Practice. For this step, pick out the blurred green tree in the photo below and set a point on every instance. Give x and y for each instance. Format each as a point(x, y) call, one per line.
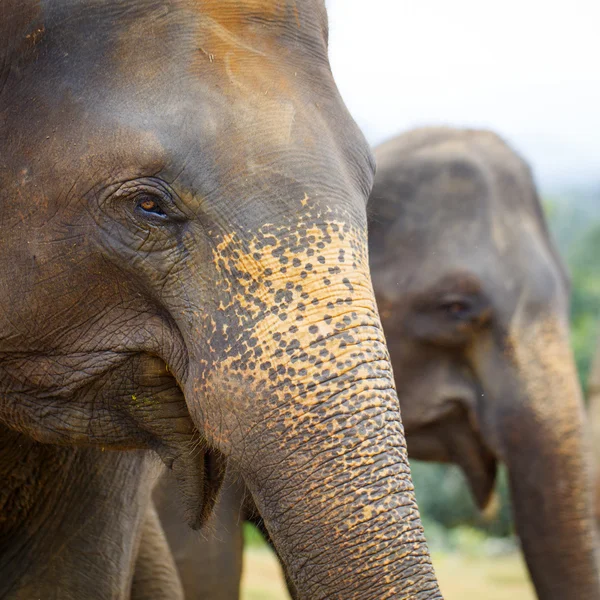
point(584, 265)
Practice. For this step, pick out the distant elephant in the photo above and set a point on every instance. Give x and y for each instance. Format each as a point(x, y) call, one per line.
point(473, 298)
point(184, 270)
point(474, 303)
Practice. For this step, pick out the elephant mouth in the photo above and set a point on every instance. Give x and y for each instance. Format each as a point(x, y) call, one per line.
point(454, 440)
point(213, 465)
point(199, 475)
point(197, 467)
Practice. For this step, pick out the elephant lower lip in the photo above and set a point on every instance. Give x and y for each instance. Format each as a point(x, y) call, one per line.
point(478, 463)
point(453, 440)
point(215, 466)
point(480, 468)
point(199, 475)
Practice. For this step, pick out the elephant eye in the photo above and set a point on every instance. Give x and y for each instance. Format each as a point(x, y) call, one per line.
point(149, 206)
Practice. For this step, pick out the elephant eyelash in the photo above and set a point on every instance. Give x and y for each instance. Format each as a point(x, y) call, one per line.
point(148, 200)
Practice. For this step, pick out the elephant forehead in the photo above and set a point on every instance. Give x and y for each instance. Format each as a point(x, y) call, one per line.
point(236, 16)
point(239, 42)
point(279, 17)
point(236, 74)
point(246, 44)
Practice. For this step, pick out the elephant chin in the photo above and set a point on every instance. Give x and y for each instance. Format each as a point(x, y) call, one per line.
point(453, 440)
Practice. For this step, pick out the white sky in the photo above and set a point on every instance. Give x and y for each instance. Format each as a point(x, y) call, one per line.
point(528, 69)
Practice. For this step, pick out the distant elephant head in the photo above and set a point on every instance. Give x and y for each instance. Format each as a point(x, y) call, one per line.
point(185, 269)
point(474, 304)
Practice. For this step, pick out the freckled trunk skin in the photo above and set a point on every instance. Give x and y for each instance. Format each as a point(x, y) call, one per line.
point(302, 399)
point(352, 501)
point(545, 445)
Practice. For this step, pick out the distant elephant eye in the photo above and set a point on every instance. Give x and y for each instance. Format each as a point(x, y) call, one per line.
point(456, 309)
point(149, 205)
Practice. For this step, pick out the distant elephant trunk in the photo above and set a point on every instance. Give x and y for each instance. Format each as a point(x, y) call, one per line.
point(538, 427)
point(301, 399)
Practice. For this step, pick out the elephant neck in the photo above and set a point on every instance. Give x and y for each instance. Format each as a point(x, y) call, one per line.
point(68, 519)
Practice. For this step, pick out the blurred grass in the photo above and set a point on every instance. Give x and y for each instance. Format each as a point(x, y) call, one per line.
point(463, 575)
point(262, 578)
point(473, 578)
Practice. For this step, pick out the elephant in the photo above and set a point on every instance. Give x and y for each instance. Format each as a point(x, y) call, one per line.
point(473, 299)
point(184, 242)
point(155, 573)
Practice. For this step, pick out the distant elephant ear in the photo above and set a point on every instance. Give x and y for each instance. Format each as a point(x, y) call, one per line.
point(199, 476)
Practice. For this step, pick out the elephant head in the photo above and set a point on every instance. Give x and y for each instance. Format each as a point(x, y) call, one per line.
point(185, 270)
point(474, 302)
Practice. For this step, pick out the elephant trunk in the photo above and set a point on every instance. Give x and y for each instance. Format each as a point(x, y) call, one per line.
point(302, 401)
point(327, 469)
point(335, 490)
point(540, 434)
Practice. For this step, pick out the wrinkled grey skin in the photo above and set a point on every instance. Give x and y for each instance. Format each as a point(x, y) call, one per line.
point(185, 272)
point(210, 561)
point(55, 520)
point(156, 575)
point(474, 304)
